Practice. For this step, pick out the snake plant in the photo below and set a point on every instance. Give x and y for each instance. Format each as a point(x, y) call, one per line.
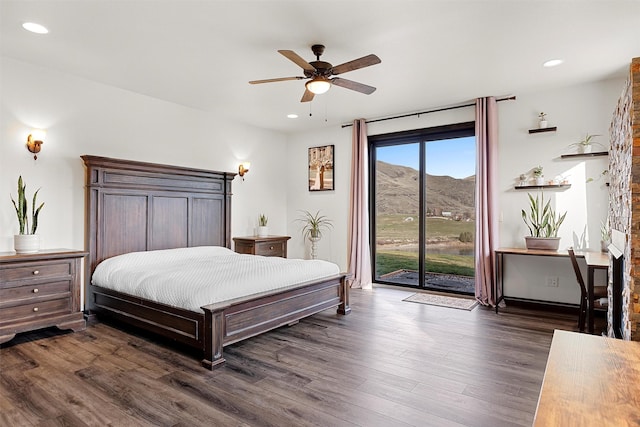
point(22, 209)
point(542, 220)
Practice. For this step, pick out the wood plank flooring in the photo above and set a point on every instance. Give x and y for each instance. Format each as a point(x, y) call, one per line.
point(388, 363)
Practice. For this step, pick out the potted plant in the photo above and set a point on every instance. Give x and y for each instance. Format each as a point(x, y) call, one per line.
point(585, 145)
point(263, 230)
point(543, 223)
point(313, 224)
point(605, 235)
point(542, 120)
point(538, 175)
point(27, 241)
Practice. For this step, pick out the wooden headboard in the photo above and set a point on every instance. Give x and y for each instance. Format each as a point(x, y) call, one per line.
point(135, 206)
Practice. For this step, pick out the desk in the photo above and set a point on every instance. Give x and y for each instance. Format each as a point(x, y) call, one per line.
point(590, 381)
point(595, 261)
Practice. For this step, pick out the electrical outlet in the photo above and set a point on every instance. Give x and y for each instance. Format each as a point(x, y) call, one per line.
point(552, 281)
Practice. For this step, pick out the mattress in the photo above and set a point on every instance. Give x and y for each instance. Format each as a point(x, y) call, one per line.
point(190, 278)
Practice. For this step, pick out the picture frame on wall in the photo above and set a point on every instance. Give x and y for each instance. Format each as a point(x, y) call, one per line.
point(321, 168)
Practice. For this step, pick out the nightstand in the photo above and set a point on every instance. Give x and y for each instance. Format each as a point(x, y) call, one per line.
point(267, 246)
point(40, 290)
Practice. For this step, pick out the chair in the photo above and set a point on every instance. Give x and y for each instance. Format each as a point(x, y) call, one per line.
point(598, 292)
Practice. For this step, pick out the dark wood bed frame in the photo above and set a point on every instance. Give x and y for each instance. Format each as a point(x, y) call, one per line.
point(135, 206)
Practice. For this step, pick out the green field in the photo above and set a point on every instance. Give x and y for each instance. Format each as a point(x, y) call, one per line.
point(396, 245)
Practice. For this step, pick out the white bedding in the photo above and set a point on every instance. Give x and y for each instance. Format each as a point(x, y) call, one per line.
point(190, 278)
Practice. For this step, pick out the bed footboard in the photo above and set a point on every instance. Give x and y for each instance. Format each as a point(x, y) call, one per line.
point(231, 322)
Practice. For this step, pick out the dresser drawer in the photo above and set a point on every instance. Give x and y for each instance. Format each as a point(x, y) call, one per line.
point(270, 248)
point(30, 271)
point(35, 309)
point(8, 295)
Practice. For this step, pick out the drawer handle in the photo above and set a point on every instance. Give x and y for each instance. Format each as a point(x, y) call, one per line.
point(35, 308)
point(36, 272)
point(35, 291)
point(270, 248)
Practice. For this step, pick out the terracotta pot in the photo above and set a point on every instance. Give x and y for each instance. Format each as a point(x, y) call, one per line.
point(543, 243)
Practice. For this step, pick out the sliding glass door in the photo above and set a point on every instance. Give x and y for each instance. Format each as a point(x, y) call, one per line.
point(423, 208)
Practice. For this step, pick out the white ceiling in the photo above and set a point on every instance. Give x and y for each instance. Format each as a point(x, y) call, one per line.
point(201, 54)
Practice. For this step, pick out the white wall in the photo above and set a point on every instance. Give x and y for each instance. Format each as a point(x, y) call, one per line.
point(575, 110)
point(84, 117)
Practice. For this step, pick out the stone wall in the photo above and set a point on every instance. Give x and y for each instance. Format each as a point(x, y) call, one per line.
point(624, 197)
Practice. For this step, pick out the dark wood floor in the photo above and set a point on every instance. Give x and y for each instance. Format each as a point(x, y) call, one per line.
point(389, 363)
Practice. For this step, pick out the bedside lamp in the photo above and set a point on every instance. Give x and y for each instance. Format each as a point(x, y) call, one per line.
point(35, 141)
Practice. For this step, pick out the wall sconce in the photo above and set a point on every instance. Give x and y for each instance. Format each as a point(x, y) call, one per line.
point(243, 168)
point(34, 141)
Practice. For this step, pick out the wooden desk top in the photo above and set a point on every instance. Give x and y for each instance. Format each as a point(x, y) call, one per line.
point(590, 381)
point(594, 259)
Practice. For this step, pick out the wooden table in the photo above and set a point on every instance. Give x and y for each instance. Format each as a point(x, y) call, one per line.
point(595, 261)
point(590, 381)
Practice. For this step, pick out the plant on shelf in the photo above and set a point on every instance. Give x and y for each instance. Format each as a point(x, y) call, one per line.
point(263, 230)
point(27, 241)
point(542, 120)
point(584, 145)
point(313, 224)
point(538, 175)
point(543, 224)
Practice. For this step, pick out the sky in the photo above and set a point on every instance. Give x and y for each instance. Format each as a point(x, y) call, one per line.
point(452, 157)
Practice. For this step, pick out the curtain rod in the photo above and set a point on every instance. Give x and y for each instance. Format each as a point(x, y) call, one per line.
point(454, 107)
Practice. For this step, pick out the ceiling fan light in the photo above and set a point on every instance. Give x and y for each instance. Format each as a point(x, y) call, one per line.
point(318, 85)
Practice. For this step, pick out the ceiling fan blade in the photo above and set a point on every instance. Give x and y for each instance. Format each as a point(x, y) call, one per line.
point(280, 79)
point(350, 84)
point(292, 56)
point(365, 61)
point(307, 95)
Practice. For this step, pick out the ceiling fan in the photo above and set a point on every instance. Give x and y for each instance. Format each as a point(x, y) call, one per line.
point(319, 73)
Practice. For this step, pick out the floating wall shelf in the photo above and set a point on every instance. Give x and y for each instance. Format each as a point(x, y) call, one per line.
point(549, 129)
point(594, 154)
point(541, 187)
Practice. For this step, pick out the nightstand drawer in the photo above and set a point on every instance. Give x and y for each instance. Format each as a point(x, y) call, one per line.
point(34, 271)
point(265, 246)
point(8, 295)
point(35, 309)
point(270, 248)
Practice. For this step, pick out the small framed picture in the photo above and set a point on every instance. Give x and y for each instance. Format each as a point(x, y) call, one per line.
point(321, 168)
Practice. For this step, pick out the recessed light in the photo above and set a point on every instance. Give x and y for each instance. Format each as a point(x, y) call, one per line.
point(292, 116)
point(35, 28)
point(552, 63)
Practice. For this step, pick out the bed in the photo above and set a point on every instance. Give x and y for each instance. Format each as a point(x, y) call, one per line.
point(136, 207)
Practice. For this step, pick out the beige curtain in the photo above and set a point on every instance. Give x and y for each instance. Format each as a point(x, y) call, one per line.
point(359, 252)
point(486, 199)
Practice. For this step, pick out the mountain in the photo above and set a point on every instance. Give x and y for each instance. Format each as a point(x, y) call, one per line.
point(397, 192)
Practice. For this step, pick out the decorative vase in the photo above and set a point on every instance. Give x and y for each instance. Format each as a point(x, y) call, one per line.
point(263, 231)
point(26, 243)
point(543, 243)
point(314, 246)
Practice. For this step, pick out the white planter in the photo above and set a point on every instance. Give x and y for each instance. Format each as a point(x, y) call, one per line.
point(262, 231)
point(584, 149)
point(543, 243)
point(540, 180)
point(26, 243)
point(542, 124)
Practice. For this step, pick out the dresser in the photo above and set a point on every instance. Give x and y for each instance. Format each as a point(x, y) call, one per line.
point(40, 290)
point(266, 246)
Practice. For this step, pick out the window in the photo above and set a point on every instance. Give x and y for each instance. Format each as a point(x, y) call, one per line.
point(422, 211)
